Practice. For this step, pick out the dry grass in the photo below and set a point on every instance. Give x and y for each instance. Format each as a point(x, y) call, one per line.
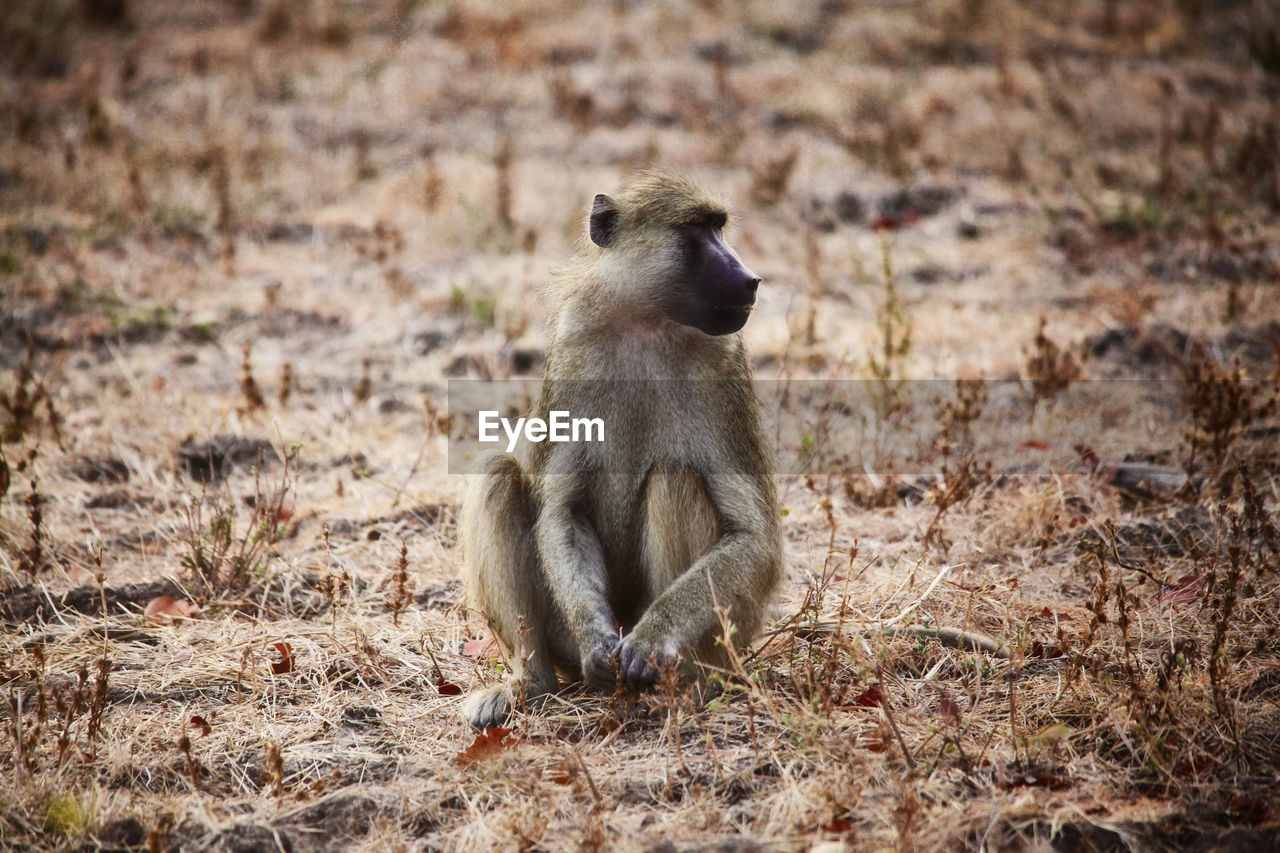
point(242, 245)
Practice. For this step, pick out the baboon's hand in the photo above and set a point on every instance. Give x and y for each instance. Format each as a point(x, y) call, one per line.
point(641, 662)
point(600, 665)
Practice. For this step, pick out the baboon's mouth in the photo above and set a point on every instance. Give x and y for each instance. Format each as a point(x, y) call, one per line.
point(726, 319)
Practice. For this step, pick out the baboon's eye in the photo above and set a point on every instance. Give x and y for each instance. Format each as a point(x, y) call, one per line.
point(705, 220)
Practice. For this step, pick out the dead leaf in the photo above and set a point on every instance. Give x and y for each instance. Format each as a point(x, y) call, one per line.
point(202, 724)
point(445, 688)
point(165, 610)
point(950, 713)
point(1199, 767)
point(1249, 811)
point(560, 773)
point(487, 744)
point(892, 223)
point(286, 662)
point(1057, 617)
point(878, 740)
point(480, 648)
point(838, 826)
point(1186, 590)
point(870, 698)
point(1049, 734)
point(280, 511)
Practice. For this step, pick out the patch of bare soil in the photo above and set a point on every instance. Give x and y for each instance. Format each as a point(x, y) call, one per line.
point(30, 603)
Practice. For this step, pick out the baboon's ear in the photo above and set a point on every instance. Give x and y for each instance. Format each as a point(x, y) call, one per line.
point(604, 221)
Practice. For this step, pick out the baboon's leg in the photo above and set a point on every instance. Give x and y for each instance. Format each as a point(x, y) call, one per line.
point(503, 582)
point(680, 527)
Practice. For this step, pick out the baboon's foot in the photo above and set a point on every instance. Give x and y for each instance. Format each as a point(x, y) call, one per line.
point(488, 708)
point(492, 707)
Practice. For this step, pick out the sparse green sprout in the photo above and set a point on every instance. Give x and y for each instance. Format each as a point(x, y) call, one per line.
point(457, 301)
point(895, 328)
point(484, 310)
point(67, 816)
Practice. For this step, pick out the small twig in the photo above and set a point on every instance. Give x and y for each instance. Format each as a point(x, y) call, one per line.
point(893, 724)
point(413, 470)
point(1013, 723)
point(582, 766)
point(952, 638)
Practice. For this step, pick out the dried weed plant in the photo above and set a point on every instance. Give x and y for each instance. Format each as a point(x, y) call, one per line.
point(1223, 402)
point(226, 563)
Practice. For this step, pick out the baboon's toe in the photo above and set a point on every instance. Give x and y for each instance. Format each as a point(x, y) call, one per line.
point(487, 709)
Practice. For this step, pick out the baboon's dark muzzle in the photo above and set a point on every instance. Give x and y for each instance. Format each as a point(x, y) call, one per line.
point(728, 289)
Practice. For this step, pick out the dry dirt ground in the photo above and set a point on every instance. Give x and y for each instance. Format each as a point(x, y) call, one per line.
point(244, 245)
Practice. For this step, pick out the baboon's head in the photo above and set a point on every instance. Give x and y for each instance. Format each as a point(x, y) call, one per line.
point(664, 235)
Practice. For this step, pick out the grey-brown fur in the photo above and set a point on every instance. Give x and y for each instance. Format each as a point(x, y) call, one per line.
point(670, 521)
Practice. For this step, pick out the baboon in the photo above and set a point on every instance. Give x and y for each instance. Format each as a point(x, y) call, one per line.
point(610, 561)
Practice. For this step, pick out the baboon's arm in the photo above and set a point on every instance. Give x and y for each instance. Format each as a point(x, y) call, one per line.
point(743, 563)
point(573, 561)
